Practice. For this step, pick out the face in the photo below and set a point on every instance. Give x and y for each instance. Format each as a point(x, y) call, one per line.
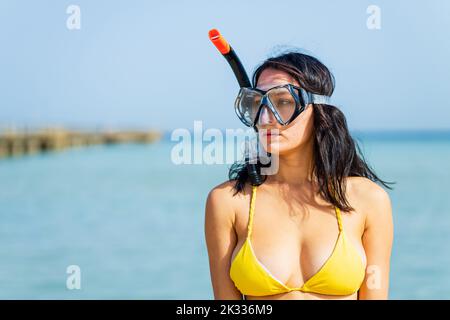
point(275, 138)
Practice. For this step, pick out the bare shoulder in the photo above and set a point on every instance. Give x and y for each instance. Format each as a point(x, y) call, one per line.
point(366, 189)
point(222, 194)
point(221, 239)
point(370, 196)
point(221, 202)
point(224, 189)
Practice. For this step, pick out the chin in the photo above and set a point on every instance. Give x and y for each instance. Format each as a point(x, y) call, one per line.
point(274, 148)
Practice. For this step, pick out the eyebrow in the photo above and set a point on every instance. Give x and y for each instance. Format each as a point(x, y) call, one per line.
point(280, 85)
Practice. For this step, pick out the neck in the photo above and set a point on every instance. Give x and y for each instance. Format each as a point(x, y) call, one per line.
point(294, 167)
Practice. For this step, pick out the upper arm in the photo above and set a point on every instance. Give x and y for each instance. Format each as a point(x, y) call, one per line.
point(377, 241)
point(220, 241)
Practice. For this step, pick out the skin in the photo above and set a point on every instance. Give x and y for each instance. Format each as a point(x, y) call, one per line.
point(294, 230)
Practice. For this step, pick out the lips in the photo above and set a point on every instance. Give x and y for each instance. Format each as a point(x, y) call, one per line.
point(270, 134)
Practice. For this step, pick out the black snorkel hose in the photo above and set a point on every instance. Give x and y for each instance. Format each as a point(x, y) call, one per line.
point(253, 169)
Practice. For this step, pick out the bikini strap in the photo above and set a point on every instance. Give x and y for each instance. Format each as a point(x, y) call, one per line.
point(338, 216)
point(252, 210)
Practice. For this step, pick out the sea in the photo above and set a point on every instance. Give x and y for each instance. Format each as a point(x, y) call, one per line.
point(126, 221)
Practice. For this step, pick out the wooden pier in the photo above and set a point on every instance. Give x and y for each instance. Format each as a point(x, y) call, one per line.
point(16, 143)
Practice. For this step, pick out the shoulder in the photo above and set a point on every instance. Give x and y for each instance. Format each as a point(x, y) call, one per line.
point(222, 193)
point(221, 203)
point(371, 197)
point(366, 189)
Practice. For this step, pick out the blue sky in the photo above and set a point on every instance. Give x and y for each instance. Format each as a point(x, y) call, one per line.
point(150, 63)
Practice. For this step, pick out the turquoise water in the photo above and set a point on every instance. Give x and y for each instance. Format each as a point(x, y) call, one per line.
point(133, 221)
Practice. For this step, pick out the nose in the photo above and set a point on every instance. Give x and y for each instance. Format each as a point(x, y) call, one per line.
point(266, 116)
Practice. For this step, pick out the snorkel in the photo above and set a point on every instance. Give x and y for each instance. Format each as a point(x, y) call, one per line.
point(241, 75)
point(230, 55)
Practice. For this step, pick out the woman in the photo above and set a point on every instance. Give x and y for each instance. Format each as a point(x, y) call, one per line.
point(320, 227)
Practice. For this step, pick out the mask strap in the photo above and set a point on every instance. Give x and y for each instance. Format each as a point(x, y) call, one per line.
point(319, 99)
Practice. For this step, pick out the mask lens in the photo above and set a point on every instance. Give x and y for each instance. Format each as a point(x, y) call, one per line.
point(247, 105)
point(283, 102)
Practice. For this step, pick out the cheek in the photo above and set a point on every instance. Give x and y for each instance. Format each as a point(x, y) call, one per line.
point(296, 134)
point(299, 132)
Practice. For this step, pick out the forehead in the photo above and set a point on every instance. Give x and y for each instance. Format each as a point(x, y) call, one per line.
point(270, 78)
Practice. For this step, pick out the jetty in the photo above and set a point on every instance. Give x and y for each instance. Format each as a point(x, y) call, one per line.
point(18, 143)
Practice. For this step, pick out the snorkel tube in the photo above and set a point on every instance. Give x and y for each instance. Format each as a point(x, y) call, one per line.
point(230, 55)
point(241, 75)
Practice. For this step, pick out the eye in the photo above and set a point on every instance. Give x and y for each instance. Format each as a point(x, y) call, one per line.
point(284, 102)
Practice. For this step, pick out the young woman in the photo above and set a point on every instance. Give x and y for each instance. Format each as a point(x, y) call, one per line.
point(320, 227)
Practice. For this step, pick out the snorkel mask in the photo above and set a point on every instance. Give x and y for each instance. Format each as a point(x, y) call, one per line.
point(285, 102)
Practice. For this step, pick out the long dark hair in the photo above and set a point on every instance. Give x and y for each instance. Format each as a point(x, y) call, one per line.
point(336, 154)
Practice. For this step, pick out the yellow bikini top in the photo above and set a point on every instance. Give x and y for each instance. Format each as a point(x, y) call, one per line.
point(342, 273)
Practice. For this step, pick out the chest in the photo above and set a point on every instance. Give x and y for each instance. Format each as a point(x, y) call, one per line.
point(293, 239)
